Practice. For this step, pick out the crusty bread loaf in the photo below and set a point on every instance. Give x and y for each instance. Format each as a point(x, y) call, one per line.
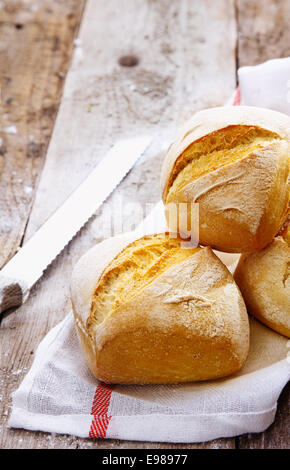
point(264, 280)
point(152, 311)
point(234, 162)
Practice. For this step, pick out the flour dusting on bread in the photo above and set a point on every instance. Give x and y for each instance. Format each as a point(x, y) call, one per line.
point(175, 320)
point(235, 164)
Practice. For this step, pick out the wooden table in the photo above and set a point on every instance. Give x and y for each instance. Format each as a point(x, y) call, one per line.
point(187, 54)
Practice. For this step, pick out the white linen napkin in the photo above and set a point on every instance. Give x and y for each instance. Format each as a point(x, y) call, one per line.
point(60, 395)
point(266, 85)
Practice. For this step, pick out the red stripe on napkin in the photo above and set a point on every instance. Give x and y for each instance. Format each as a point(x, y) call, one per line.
point(237, 98)
point(100, 421)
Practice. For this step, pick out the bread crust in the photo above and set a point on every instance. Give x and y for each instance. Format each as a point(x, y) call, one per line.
point(190, 323)
point(242, 204)
point(264, 280)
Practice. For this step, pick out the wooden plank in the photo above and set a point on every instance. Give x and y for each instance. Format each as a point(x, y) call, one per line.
point(263, 30)
point(36, 42)
point(176, 44)
point(263, 33)
point(35, 50)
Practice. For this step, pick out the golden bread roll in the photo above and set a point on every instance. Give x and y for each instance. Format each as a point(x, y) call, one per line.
point(264, 280)
point(149, 310)
point(234, 162)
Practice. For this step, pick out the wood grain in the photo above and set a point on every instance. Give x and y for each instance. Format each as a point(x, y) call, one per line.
point(35, 50)
point(184, 64)
point(263, 30)
point(36, 43)
point(176, 46)
point(263, 34)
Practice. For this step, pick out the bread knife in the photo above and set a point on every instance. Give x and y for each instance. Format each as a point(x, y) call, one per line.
point(27, 266)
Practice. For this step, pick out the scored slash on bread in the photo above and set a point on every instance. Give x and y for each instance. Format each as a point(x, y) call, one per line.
point(152, 311)
point(234, 162)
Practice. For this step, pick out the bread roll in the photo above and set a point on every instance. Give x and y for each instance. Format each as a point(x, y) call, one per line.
point(152, 311)
point(234, 162)
point(264, 280)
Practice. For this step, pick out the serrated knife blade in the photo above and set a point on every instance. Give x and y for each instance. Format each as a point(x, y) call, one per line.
point(27, 266)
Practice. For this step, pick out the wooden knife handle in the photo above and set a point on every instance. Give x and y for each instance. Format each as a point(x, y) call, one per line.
point(13, 293)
